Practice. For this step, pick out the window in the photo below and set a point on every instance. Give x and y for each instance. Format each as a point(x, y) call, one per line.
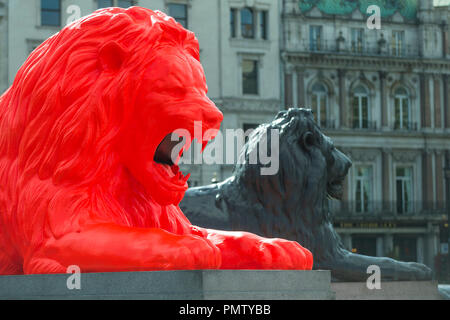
point(405, 248)
point(263, 24)
point(179, 13)
point(125, 3)
point(315, 38)
point(403, 182)
point(250, 76)
point(365, 244)
point(363, 190)
point(50, 12)
point(247, 23)
point(360, 108)
point(357, 40)
point(115, 3)
point(32, 44)
point(402, 110)
point(233, 23)
point(105, 3)
point(398, 40)
point(319, 103)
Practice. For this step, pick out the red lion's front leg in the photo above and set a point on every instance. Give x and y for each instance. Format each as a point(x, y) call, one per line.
point(244, 250)
point(109, 247)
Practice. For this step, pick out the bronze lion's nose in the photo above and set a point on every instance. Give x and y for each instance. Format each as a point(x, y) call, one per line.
point(342, 160)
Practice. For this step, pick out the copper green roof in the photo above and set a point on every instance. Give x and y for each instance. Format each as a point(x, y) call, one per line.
point(407, 8)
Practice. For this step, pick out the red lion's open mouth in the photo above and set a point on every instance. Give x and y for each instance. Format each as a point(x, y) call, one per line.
point(168, 155)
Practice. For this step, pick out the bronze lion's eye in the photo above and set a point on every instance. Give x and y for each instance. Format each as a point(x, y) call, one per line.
point(307, 140)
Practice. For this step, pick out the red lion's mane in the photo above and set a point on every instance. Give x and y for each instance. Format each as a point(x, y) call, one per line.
point(79, 129)
point(58, 125)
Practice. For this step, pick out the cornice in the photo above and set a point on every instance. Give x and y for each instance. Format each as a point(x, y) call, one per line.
point(248, 104)
point(349, 62)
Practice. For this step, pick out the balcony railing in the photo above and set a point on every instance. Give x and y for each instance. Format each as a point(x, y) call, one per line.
point(386, 208)
point(364, 124)
point(405, 126)
point(328, 124)
point(372, 49)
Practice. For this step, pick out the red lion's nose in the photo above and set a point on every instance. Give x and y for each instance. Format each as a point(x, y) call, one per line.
point(211, 115)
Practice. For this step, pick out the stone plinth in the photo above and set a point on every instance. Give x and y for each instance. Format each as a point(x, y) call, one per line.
point(185, 285)
point(390, 290)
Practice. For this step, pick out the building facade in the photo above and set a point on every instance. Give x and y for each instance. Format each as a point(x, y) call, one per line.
point(383, 96)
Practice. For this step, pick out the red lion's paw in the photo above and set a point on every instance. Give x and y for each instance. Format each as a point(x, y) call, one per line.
point(283, 254)
point(244, 250)
point(198, 253)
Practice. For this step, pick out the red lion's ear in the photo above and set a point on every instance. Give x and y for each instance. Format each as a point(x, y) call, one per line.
point(111, 56)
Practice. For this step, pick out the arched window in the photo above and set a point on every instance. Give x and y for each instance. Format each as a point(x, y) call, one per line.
point(361, 114)
point(319, 103)
point(363, 188)
point(404, 186)
point(402, 110)
point(247, 23)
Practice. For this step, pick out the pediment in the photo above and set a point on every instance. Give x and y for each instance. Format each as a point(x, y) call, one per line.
point(357, 15)
point(315, 12)
point(397, 17)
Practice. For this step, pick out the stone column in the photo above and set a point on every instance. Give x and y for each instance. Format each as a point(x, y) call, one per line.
point(238, 23)
point(347, 241)
point(446, 106)
point(425, 108)
point(256, 24)
point(345, 197)
point(420, 250)
point(288, 94)
point(301, 88)
point(380, 246)
point(431, 245)
point(427, 180)
point(440, 198)
point(444, 27)
point(385, 180)
point(342, 99)
point(345, 203)
point(388, 244)
point(437, 104)
point(383, 104)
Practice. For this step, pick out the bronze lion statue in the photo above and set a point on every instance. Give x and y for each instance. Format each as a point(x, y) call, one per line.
point(292, 203)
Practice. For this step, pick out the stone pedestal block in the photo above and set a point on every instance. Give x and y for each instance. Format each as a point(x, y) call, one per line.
point(184, 285)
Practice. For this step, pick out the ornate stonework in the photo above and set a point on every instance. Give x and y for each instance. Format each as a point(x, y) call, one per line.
point(362, 155)
point(398, 11)
point(405, 156)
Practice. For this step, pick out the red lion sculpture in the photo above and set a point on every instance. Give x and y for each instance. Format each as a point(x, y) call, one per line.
point(79, 132)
